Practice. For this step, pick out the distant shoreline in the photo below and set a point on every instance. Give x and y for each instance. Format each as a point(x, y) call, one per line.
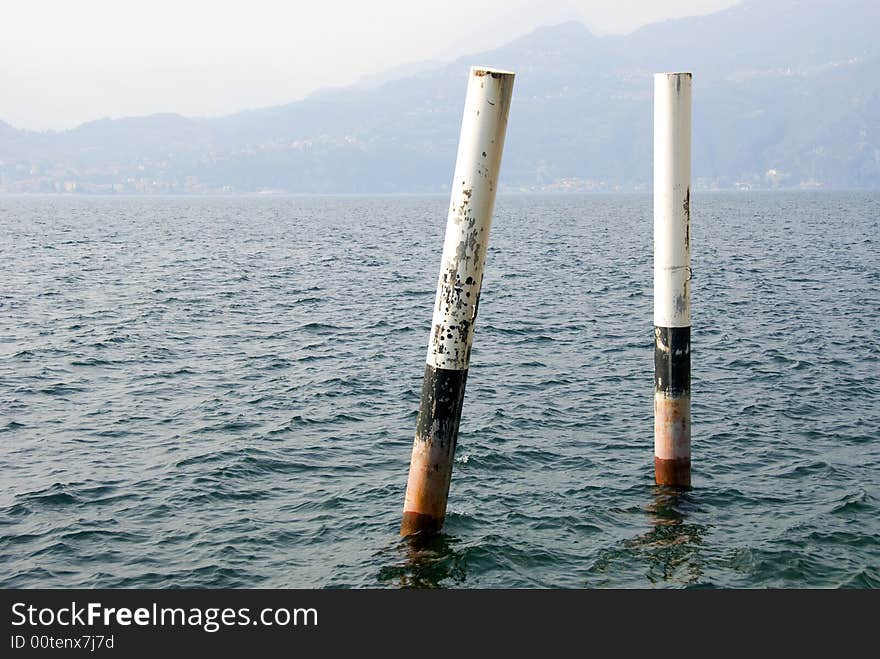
point(503, 193)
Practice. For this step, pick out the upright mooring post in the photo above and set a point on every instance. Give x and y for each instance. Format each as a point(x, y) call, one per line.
point(672, 274)
point(458, 297)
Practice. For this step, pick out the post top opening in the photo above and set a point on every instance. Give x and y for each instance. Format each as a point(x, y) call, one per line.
point(674, 73)
point(489, 71)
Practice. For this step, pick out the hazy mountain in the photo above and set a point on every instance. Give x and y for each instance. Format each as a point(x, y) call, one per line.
point(786, 94)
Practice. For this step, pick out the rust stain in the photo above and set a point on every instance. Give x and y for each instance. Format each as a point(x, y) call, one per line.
point(480, 73)
point(672, 426)
point(672, 473)
point(419, 523)
point(671, 416)
point(427, 488)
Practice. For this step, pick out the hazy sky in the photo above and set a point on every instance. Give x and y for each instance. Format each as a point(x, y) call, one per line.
point(63, 62)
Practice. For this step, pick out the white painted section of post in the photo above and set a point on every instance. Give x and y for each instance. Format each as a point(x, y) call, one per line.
point(672, 180)
point(474, 184)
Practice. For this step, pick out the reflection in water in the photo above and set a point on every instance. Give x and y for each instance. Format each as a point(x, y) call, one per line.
point(672, 551)
point(426, 561)
point(672, 547)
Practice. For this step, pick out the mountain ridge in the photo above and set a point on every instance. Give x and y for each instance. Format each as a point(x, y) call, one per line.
point(785, 95)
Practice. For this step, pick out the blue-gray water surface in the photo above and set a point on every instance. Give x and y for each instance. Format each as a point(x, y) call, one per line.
point(222, 392)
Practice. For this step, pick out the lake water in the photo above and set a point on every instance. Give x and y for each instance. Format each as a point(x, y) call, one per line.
point(223, 392)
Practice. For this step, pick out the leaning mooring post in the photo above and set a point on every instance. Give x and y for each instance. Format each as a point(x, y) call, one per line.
point(672, 274)
point(458, 297)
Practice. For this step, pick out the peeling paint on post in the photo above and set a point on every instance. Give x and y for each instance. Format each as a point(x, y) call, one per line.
point(458, 297)
point(672, 275)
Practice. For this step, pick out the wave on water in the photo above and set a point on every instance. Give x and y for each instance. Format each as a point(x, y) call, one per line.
point(230, 400)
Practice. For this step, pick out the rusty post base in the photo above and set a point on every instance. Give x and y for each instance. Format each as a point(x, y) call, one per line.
point(673, 473)
point(430, 469)
point(672, 440)
point(419, 523)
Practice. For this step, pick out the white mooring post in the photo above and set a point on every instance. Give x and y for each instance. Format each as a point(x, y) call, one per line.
point(672, 274)
point(458, 297)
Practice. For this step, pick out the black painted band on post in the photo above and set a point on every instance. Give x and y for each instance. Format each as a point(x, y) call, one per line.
point(440, 407)
point(672, 361)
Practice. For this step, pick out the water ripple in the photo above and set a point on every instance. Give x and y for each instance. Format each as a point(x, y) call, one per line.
point(223, 392)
